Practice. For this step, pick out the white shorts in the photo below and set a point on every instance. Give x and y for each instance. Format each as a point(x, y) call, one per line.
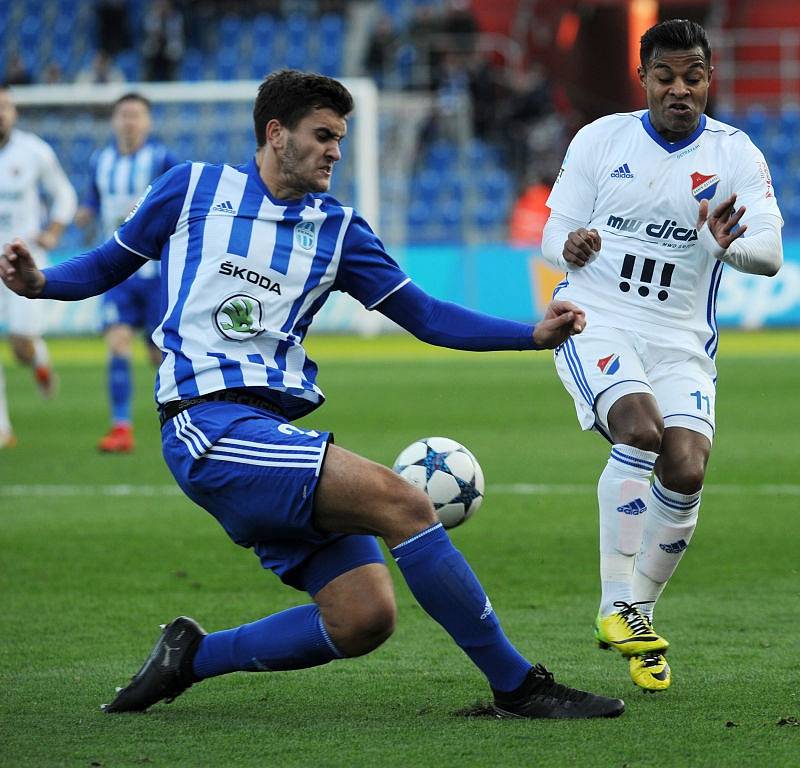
point(20, 316)
point(602, 364)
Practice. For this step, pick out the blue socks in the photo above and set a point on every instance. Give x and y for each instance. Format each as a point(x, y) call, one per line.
point(119, 389)
point(445, 586)
point(292, 639)
point(441, 581)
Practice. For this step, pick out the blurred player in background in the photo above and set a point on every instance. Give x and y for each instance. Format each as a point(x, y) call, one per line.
point(28, 167)
point(250, 254)
point(120, 173)
point(648, 208)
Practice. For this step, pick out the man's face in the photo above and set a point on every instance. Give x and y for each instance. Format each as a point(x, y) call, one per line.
point(677, 91)
point(8, 114)
point(131, 123)
point(310, 151)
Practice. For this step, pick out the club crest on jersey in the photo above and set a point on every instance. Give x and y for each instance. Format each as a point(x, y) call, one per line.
point(238, 317)
point(608, 365)
point(704, 187)
point(305, 234)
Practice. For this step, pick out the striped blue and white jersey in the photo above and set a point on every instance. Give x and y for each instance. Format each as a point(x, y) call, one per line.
point(642, 195)
point(243, 275)
point(118, 180)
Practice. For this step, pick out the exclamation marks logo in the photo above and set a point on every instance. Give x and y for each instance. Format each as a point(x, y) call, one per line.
point(648, 269)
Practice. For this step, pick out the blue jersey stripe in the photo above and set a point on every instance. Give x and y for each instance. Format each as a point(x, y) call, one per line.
point(711, 309)
point(242, 229)
point(284, 236)
point(203, 193)
point(231, 370)
point(326, 249)
point(112, 169)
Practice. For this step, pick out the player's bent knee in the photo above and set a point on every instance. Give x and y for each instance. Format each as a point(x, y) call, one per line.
point(366, 627)
point(645, 437)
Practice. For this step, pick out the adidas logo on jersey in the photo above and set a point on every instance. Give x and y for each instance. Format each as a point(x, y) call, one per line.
point(225, 207)
point(636, 507)
point(623, 172)
point(675, 548)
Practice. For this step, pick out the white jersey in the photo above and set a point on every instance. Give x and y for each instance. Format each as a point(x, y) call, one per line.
point(642, 193)
point(28, 165)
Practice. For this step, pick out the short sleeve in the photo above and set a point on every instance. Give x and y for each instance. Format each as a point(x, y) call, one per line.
point(575, 189)
point(153, 219)
point(366, 271)
point(753, 183)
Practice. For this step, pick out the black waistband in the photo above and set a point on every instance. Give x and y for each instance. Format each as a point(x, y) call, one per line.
point(241, 396)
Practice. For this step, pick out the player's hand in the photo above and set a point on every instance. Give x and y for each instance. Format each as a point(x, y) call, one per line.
point(722, 221)
point(561, 320)
point(18, 270)
point(581, 247)
point(46, 240)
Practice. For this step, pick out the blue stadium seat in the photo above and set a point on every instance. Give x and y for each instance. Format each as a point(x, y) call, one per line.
point(789, 121)
point(192, 66)
point(331, 28)
point(230, 29)
point(755, 124)
point(226, 64)
point(130, 63)
point(441, 155)
point(427, 185)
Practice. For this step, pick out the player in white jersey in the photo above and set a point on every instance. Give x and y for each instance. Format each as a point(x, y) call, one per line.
point(28, 165)
point(120, 173)
point(249, 254)
point(648, 208)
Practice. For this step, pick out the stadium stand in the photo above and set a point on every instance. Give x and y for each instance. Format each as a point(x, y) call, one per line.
point(442, 202)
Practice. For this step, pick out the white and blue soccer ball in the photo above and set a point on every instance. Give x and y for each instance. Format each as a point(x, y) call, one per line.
point(448, 473)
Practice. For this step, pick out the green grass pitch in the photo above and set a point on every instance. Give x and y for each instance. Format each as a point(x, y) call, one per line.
point(96, 550)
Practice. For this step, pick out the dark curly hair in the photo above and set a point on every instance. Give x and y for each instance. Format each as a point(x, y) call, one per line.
point(289, 95)
point(673, 35)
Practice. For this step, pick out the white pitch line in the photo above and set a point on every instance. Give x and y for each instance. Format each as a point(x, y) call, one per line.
point(513, 489)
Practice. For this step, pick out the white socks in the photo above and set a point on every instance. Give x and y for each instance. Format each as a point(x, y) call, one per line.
point(622, 494)
point(670, 522)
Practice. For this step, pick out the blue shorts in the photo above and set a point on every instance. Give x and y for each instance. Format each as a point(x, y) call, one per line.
point(135, 302)
point(257, 474)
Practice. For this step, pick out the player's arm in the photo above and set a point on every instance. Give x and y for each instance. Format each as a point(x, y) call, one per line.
point(567, 244)
point(445, 324)
point(86, 275)
point(64, 200)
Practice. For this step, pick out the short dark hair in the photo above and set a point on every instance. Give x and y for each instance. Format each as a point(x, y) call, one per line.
point(132, 96)
point(288, 95)
point(673, 35)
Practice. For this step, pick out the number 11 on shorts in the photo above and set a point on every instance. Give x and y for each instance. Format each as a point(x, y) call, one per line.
point(699, 399)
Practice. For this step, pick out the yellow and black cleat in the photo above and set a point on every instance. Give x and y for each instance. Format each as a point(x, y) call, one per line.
point(650, 671)
point(629, 631)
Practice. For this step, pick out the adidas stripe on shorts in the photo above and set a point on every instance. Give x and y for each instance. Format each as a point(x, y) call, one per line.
point(256, 474)
point(603, 364)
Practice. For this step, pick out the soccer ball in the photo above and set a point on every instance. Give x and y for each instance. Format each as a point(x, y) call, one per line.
point(448, 473)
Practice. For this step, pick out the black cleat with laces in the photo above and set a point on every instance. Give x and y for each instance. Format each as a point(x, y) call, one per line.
point(540, 696)
point(167, 673)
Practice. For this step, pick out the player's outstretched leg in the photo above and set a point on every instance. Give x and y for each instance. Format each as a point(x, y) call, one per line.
point(446, 587)
point(168, 671)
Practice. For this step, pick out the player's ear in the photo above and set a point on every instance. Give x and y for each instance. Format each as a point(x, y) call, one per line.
point(275, 134)
point(642, 76)
point(710, 72)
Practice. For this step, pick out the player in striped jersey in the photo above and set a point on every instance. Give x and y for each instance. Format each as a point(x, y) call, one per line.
point(28, 167)
point(648, 208)
point(120, 173)
point(249, 255)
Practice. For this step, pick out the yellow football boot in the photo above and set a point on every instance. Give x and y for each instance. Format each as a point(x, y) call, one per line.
point(629, 631)
point(650, 671)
